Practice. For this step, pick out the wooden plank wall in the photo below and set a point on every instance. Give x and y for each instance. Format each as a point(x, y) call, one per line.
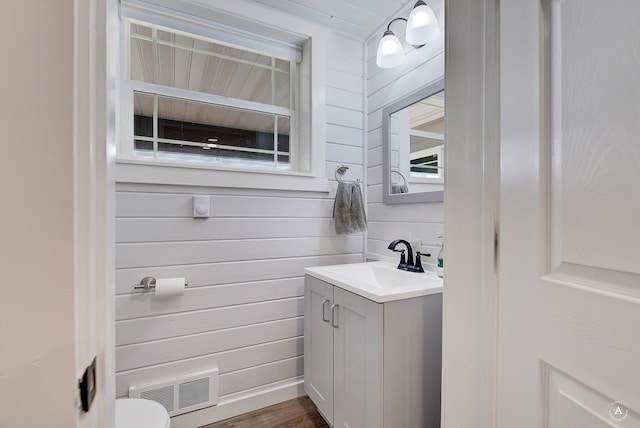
point(384, 86)
point(243, 309)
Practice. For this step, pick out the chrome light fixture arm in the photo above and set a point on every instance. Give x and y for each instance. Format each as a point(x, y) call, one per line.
point(392, 33)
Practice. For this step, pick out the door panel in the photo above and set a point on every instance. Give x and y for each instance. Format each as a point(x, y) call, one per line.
point(571, 404)
point(351, 356)
point(569, 265)
point(594, 109)
point(358, 362)
point(318, 338)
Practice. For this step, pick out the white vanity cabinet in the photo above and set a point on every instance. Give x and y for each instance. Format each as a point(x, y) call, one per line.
point(369, 364)
point(343, 355)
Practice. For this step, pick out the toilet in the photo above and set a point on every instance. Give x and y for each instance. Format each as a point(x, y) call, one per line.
point(140, 413)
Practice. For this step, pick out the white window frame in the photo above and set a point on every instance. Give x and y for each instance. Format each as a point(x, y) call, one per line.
point(132, 86)
point(309, 126)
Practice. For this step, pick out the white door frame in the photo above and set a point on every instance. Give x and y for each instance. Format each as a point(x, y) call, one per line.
point(95, 39)
point(471, 219)
point(470, 203)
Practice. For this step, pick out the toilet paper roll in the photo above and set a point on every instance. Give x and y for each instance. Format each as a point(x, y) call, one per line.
point(170, 286)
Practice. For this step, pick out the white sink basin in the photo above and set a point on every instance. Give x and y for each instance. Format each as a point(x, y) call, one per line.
point(378, 281)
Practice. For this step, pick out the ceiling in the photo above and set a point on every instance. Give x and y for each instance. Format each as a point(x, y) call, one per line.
point(356, 18)
point(427, 111)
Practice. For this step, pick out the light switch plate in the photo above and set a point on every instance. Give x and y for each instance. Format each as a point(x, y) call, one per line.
point(201, 206)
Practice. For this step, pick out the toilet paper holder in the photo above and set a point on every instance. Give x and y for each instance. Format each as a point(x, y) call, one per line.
point(149, 282)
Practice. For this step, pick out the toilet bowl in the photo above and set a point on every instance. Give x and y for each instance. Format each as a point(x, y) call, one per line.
point(140, 413)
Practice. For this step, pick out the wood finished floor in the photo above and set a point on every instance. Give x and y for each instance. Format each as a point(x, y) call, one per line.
point(296, 413)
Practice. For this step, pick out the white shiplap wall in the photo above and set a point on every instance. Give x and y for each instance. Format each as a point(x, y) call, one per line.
point(422, 221)
point(243, 309)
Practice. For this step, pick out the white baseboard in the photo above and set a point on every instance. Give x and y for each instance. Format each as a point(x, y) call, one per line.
point(244, 402)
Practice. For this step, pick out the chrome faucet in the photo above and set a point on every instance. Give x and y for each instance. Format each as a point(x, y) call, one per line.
point(407, 264)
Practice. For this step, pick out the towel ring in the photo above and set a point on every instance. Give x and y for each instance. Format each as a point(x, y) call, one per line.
point(340, 171)
point(404, 180)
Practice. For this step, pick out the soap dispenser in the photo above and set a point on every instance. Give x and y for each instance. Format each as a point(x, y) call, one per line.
point(440, 269)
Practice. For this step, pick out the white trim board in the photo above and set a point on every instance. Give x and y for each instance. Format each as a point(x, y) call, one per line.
point(192, 175)
point(471, 200)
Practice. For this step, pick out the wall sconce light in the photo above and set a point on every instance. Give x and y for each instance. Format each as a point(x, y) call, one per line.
point(422, 28)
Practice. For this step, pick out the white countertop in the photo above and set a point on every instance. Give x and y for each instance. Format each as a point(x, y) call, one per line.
point(378, 281)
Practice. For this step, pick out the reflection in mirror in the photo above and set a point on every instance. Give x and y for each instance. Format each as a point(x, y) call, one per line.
point(413, 147)
point(417, 135)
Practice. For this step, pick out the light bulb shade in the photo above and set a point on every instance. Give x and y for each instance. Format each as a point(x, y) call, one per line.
point(390, 51)
point(422, 25)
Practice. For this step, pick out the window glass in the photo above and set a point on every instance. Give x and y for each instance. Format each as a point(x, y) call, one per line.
point(250, 125)
point(172, 126)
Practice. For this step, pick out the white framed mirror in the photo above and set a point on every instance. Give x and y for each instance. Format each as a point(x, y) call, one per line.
point(413, 146)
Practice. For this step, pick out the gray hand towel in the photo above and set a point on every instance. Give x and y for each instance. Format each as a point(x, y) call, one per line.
point(348, 209)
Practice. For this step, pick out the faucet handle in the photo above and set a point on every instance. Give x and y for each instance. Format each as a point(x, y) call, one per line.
point(403, 260)
point(418, 266)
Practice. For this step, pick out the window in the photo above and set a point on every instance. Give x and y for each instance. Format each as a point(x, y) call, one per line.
point(192, 99)
point(427, 163)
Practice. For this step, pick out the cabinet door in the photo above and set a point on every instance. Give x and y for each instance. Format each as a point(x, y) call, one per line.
point(318, 345)
point(358, 361)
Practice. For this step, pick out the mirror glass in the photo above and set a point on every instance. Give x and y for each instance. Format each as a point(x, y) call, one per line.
point(413, 147)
